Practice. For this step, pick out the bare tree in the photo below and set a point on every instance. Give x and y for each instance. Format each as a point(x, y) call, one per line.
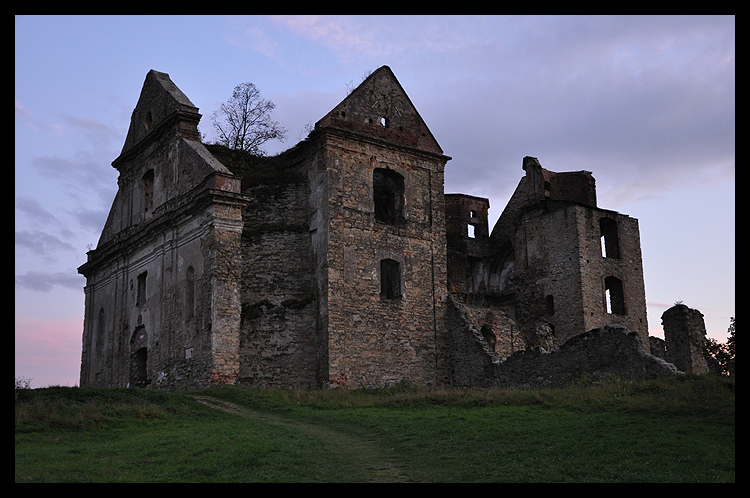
point(244, 121)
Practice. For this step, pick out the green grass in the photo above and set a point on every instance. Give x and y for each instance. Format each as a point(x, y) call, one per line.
point(660, 430)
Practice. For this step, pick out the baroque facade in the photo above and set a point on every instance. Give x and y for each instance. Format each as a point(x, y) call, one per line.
point(341, 261)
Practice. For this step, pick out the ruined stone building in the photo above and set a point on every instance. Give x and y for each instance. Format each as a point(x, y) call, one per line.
point(341, 261)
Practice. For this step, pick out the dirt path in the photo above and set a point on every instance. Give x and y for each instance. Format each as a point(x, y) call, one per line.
point(362, 452)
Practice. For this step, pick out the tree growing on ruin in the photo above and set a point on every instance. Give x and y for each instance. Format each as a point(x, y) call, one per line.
point(244, 121)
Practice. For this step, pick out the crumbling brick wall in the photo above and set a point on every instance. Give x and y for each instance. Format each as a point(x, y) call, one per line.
point(547, 257)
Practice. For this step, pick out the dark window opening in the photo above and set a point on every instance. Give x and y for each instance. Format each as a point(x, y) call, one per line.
point(388, 193)
point(390, 279)
point(549, 305)
point(141, 293)
point(614, 296)
point(148, 190)
point(610, 242)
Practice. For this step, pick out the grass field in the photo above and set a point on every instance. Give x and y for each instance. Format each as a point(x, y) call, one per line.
point(679, 429)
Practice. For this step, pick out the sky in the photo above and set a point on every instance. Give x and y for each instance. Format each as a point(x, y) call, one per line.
point(646, 103)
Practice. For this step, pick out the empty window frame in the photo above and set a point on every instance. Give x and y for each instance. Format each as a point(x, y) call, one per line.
point(614, 298)
point(141, 291)
point(609, 238)
point(388, 194)
point(390, 279)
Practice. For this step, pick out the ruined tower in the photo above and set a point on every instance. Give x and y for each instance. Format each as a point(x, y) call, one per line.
point(580, 264)
point(467, 232)
point(385, 237)
point(559, 264)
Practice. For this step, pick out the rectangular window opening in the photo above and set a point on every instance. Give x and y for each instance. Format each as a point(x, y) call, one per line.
point(141, 294)
point(609, 238)
point(614, 297)
point(390, 279)
point(388, 194)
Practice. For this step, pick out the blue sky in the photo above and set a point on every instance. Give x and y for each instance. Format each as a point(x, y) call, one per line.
point(645, 103)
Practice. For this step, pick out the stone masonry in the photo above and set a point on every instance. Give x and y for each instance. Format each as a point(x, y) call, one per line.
point(341, 262)
point(685, 338)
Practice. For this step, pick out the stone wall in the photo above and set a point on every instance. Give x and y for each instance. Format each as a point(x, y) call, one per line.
point(281, 337)
point(474, 360)
point(547, 258)
point(547, 270)
point(610, 350)
point(685, 338)
point(623, 266)
point(280, 333)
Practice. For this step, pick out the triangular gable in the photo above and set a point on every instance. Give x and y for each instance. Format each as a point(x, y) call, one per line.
point(163, 116)
point(160, 100)
point(380, 107)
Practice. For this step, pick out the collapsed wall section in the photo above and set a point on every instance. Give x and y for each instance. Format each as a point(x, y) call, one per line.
point(608, 351)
